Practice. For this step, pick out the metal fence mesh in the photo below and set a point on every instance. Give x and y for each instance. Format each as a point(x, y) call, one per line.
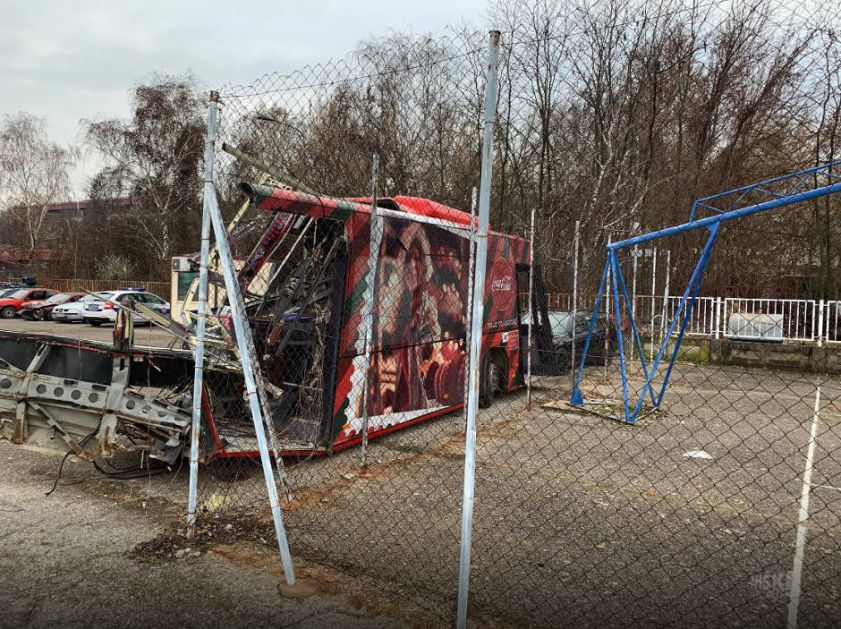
point(360, 318)
point(342, 302)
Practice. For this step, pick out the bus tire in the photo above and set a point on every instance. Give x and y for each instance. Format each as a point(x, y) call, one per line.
point(490, 380)
point(486, 388)
point(564, 361)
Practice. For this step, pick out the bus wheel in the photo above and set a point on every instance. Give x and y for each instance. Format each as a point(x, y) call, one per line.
point(490, 381)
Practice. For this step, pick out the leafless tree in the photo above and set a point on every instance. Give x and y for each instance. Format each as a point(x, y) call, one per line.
point(617, 114)
point(34, 173)
point(153, 158)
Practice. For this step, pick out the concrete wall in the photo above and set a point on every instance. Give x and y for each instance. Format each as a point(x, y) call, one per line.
point(804, 357)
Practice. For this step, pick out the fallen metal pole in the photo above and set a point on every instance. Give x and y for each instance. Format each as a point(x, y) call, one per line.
point(476, 326)
point(281, 178)
point(201, 323)
point(245, 345)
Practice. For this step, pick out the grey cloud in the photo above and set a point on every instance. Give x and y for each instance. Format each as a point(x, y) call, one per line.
point(72, 60)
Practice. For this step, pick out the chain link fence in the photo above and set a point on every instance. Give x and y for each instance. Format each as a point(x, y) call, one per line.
point(349, 191)
point(341, 184)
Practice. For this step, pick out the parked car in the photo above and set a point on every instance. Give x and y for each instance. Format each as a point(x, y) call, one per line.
point(41, 310)
point(564, 333)
point(72, 312)
point(97, 312)
point(11, 305)
point(6, 292)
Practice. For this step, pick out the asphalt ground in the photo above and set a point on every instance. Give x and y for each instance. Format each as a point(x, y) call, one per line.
point(145, 335)
point(688, 518)
point(67, 561)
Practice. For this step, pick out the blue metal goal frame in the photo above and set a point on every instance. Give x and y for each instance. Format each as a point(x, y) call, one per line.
point(793, 188)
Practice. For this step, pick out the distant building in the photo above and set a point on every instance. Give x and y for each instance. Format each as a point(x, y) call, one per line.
point(80, 207)
point(15, 260)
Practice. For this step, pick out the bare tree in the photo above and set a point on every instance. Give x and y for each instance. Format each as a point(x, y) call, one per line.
point(615, 113)
point(154, 159)
point(34, 173)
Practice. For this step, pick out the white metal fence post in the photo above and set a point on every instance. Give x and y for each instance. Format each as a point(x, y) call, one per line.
point(532, 313)
point(471, 270)
point(803, 517)
point(477, 322)
point(575, 245)
point(820, 322)
point(653, 303)
point(201, 320)
point(666, 310)
point(607, 310)
point(717, 319)
point(635, 252)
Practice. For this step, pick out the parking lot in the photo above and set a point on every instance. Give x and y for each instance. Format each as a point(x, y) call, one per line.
point(146, 335)
point(579, 520)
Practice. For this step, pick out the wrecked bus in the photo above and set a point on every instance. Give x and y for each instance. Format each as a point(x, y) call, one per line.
point(320, 288)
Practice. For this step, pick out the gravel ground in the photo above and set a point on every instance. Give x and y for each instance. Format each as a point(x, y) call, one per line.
point(581, 521)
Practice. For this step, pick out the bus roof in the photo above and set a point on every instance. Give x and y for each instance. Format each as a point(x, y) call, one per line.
point(320, 206)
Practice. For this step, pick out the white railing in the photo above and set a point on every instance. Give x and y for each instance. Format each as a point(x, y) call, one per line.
point(770, 319)
point(704, 319)
point(739, 318)
point(830, 318)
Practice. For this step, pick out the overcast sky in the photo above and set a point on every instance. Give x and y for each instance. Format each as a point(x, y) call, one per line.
point(71, 59)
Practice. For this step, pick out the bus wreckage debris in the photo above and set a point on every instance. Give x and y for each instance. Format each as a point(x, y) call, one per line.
point(90, 410)
point(312, 287)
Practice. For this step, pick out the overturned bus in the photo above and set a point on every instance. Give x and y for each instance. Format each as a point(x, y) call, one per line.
point(344, 336)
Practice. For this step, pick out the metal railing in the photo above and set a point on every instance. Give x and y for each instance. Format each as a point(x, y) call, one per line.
point(771, 319)
point(75, 284)
point(738, 318)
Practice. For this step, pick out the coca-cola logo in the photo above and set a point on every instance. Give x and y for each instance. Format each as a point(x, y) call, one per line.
point(501, 284)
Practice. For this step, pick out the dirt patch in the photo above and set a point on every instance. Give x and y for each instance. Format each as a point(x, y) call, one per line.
point(174, 543)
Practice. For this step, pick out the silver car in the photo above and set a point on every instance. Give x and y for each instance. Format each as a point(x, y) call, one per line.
point(105, 310)
point(71, 313)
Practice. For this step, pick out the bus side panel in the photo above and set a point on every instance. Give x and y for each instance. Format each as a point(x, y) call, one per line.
point(418, 349)
point(358, 236)
point(501, 320)
point(418, 319)
point(404, 384)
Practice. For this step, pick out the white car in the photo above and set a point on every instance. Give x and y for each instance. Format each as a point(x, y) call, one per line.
point(72, 312)
point(99, 311)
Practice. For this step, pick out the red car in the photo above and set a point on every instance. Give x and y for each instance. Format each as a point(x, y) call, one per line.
point(41, 309)
point(9, 306)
